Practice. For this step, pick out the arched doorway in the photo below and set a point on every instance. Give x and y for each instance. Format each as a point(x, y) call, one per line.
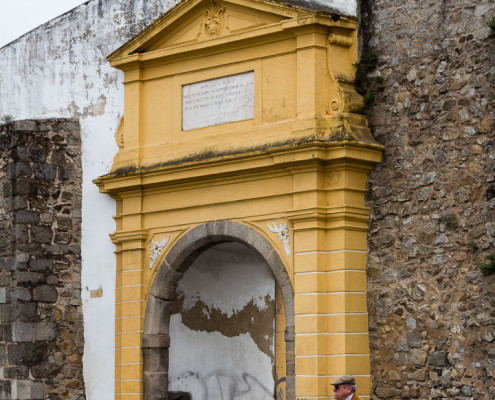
point(222, 327)
point(211, 241)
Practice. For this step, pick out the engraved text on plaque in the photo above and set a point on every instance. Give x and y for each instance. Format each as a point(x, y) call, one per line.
point(218, 101)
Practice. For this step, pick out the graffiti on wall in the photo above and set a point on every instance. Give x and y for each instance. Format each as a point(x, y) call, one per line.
point(280, 388)
point(222, 384)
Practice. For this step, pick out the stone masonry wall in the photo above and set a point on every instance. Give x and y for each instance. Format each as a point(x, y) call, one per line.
point(431, 311)
point(41, 335)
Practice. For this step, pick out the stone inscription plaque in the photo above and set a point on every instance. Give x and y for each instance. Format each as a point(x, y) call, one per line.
point(218, 101)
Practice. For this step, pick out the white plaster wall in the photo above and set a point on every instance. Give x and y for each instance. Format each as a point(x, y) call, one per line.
point(60, 70)
point(348, 7)
point(210, 365)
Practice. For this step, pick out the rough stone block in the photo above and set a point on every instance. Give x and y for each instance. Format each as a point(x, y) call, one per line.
point(155, 359)
point(5, 313)
point(20, 169)
point(36, 154)
point(24, 312)
point(413, 340)
point(53, 249)
point(45, 171)
point(22, 331)
point(21, 389)
point(63, 173)
point(165, 284)
point(19, 203)
point(25, 125)
point(41, 264)
point(3, 355)
point(438, 359)
point(19, 293)
point(158, 381)
point(37, 391)
point(21, 234)
point(28, 277)
point(156, 341)
point(25, 186)
point(6, 332)
point(4, 243)
point(18, 372)
point(5, 392)
point(70, 249)
point(26, 217)
point(45, 293)
point(58, 157)
point(64, 223)
point(27, 354)
point(63, 238)
point(45, 331)
point(53, 280)
point(157, 316)
point(41, 234)
point(3, 295)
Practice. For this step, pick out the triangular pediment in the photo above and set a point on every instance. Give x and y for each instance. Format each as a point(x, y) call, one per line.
point(195, 21)
point(211, 20)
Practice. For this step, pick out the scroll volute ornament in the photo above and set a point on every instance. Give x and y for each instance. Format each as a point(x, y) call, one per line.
point(343, 97)
point(215, 20)
point(119, 134)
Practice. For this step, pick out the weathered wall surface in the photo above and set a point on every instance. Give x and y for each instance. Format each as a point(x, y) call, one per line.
point(222, 328)
point(431, 311)
point(41, 340)
point(60, 70)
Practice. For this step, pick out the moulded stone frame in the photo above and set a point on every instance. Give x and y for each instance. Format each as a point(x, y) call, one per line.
point(156, 339)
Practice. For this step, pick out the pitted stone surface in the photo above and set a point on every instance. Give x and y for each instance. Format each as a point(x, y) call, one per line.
point(431, 199)
point(41, 335)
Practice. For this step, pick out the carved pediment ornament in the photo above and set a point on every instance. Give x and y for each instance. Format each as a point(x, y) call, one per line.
point(215, 20)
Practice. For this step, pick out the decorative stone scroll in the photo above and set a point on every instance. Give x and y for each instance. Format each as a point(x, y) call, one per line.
point(283, 234)
point(156, 248)
point(218, 101)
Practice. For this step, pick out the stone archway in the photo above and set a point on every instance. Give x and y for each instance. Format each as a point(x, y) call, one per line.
point(156, 339)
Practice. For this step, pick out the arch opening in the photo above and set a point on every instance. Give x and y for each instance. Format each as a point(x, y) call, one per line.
point(186, 290)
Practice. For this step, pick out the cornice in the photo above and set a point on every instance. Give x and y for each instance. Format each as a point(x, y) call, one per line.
point(342, 155)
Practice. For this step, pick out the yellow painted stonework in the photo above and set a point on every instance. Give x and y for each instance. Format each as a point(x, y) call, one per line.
point(302, 159)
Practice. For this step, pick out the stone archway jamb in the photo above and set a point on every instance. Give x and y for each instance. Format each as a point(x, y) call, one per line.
point(156, 339)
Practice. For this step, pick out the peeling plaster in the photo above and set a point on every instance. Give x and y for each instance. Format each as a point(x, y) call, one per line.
point(248, 320)
point(60, 70)
point(250, 279)
point(222, 327)
point(228, 375)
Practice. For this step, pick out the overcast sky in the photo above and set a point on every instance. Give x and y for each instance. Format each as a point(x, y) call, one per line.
point(18, 17)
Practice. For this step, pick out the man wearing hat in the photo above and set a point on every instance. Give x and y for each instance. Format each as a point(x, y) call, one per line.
point(345, 388)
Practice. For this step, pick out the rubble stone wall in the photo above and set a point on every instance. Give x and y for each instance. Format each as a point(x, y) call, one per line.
point(432, 199)
point(41, 335)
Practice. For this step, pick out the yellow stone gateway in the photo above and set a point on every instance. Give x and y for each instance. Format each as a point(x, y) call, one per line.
point(240, 222)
